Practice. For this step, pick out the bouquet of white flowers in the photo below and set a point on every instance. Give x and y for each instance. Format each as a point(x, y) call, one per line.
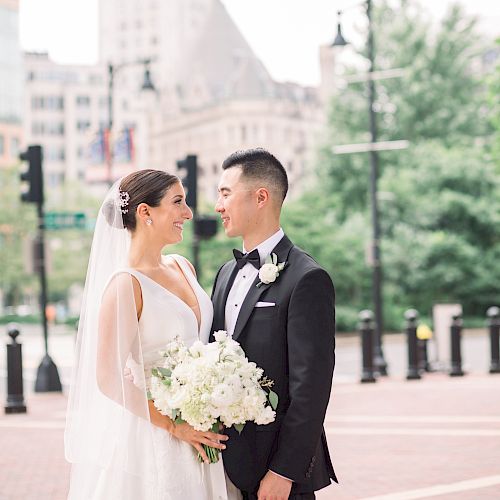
point(209, 384)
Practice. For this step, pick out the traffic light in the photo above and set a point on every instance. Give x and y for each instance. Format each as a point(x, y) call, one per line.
point(190, 180)
point(34, 175)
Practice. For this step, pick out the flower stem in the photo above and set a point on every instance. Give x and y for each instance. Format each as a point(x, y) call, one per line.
point(212, 454)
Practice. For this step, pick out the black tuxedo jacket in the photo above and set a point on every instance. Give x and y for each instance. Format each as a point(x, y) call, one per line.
point(294, 342)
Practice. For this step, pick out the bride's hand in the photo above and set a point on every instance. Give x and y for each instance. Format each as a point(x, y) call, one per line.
point(195, 438)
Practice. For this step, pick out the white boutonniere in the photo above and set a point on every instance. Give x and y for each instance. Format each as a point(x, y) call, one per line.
point(270, 270)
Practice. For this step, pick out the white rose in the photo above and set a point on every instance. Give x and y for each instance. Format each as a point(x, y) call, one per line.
point(196, 350)
point(266, 416)
point(220, 335)
point(268, 273)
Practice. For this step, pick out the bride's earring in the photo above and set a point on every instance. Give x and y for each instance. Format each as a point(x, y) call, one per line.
point(149, 222)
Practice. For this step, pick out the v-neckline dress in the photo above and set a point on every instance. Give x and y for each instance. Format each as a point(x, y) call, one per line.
point(165, 316)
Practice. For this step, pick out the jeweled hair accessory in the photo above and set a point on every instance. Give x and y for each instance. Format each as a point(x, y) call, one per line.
point(124, 199)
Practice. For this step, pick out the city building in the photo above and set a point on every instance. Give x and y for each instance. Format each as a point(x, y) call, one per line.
point(11, 83)
point(225, 100)
point(212, 96)
point(64, 107)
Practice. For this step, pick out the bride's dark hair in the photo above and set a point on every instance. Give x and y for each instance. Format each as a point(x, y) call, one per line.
point(144, 186)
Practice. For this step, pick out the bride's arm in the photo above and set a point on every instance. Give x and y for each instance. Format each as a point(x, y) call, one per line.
point(118, 343)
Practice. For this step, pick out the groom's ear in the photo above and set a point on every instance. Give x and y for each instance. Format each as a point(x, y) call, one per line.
point(262, 196)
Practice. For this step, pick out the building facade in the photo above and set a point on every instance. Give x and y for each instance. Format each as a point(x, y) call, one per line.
point(212, 96)
point(224, 100)
point(64, 107)
point(11, 83)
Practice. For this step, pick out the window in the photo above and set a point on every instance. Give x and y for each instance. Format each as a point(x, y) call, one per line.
point(14, 147)
point(83, 101)
point(37, 128)
point(82, 125)
point(36, 102)
point(2, 145)
point(51, 128)
point(55, 154)
point(54, 102)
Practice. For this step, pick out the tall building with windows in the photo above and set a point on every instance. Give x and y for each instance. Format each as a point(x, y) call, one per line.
point(213, 96)
point(160, 30)
point(224, 99)
point(64, 107)
point(11, 83)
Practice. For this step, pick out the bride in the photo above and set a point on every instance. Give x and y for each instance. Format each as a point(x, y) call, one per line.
point(135, 302)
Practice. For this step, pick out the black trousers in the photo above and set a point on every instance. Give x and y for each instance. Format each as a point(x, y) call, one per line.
point(298, 496)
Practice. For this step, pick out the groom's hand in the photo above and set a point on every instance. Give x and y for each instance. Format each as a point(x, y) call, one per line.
point(274, 487)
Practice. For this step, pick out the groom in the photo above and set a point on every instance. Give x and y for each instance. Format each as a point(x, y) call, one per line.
point(285, 325)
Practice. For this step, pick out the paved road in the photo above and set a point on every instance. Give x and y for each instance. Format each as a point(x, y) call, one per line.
point(438, 437)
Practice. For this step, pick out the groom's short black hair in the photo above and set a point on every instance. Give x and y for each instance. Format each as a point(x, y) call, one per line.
point(260, 165)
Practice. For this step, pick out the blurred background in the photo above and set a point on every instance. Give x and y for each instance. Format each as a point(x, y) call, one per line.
point(386, 115)
point(109, 87)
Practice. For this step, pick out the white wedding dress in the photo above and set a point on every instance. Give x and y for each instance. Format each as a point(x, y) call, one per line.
point(180, 475)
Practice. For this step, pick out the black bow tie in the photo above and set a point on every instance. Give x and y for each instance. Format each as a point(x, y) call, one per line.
point(247, 258)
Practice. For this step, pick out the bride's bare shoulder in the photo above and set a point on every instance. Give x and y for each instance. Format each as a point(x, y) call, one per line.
point(122, 286)
point(174, 257)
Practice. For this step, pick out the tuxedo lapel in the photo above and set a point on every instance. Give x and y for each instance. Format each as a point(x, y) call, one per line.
point(247, 307)
point(224, 285)
point(282, 249)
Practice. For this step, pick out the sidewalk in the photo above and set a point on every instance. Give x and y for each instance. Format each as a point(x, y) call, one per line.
point(430, 438)
point(438, 437)
point(392, 440)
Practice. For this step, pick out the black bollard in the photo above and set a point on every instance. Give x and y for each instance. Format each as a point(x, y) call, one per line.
point(15, 399)
point(423, 358)
point(493, 314)
point(411, 316)
point(366, 329)
point(424, 334)
point(456, 353)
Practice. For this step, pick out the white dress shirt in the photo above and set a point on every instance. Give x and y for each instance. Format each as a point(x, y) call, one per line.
point(244, 279)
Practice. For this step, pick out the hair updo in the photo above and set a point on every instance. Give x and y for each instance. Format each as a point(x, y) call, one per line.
point(144, 186)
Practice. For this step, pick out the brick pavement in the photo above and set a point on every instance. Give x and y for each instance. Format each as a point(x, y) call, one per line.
point(395, 437)
point(392, 440)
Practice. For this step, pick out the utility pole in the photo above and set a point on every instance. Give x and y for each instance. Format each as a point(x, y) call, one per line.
point(47, 378)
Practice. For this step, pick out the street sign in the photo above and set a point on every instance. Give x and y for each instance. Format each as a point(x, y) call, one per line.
point(65, 220)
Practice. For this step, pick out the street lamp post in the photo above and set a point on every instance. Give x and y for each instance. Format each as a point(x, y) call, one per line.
point(146, 85)
point(379, 361)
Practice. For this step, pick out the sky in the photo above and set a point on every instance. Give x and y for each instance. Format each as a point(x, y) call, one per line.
point(285, 34)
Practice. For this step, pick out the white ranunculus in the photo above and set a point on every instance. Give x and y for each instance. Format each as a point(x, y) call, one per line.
point(268, 273)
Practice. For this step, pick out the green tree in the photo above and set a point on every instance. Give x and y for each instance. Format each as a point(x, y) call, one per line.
point(442, 228)
point(16, 230)
point(493, 82)
point(438, 199)
point(70, 248)
point(439, 97)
